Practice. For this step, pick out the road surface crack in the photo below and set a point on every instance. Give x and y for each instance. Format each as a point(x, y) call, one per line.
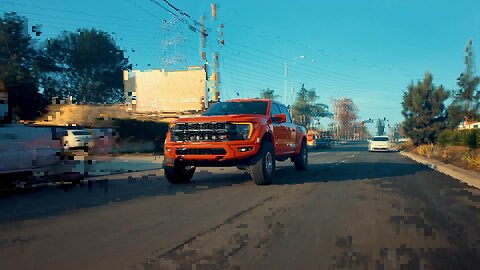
point(182, 254)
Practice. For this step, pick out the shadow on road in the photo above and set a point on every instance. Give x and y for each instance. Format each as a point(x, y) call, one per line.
point(346, 172)
point(437, 204)
point(342, 148)
point(46, 202)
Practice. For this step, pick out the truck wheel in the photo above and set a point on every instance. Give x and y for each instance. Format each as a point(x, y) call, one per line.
point(263, 165)
point(301, 160)
point(178, 174)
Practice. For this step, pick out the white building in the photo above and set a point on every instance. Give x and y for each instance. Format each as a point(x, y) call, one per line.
point(166, 91)
point(469, 125)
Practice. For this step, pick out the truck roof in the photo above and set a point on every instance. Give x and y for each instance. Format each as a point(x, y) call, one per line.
point(247, 99)
point(252, 99)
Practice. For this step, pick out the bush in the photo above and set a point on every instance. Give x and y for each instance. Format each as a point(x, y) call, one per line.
point(470, 138)
point(445, 138)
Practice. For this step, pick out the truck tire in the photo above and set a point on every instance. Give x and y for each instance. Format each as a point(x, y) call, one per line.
point(178, 174)
point(263, 165)
point(301, 160)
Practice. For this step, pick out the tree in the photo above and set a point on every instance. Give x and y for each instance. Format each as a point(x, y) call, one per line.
point(305, 108)
point(89, 67)
point(18, 69)
point(424, 110)
point(268, 93)
point(467, 98)
point(346, 112)
point(380, 127)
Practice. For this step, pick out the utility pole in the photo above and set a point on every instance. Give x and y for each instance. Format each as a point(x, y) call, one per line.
point(215, 73)
point(214, 85)
point(285, 89)
point(203, 58)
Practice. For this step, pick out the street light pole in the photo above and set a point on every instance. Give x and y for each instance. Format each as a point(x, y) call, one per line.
point(286, 77)
point(285, 87)
point(291, 99)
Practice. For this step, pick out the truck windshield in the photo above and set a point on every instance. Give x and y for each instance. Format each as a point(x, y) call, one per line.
point(80, 133)
point(380, 139)
point(250, 107)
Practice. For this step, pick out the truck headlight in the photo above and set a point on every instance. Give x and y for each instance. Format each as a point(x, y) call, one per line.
point(240, 131)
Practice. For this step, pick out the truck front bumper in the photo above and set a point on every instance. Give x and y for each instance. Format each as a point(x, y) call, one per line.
point(216, 154)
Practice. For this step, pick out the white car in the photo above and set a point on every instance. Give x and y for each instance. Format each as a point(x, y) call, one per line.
point(379, 143)
point(76, 138)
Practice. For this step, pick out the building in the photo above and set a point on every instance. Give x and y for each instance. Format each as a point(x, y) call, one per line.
point(166, 91)
point(469, 125)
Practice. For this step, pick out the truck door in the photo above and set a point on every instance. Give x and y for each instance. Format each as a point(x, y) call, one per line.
point(280, 133)
point(291, 131)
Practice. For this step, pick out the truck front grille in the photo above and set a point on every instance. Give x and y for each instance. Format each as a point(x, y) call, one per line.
point(199, 132)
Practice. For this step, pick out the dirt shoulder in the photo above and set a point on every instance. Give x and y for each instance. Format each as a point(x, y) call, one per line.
point(459, 156)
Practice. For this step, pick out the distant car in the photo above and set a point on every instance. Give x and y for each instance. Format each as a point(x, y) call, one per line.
point(379, 143)
point(324, 142)
point(76, 139)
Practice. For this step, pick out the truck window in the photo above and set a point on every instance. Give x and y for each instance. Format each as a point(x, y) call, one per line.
point(284, 110)
point(274, 109)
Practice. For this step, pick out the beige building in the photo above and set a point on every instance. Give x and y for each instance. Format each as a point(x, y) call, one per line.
point(165, 91)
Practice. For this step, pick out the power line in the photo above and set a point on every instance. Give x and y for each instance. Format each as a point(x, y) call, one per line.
point(191, 27)
point(63, 10)
point(301, 77)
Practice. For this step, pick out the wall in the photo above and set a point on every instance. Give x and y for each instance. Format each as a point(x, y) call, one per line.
point(85, 115)
point(162, 91)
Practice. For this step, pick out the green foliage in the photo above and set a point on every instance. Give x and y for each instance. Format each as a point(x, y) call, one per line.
point(450, 138)
point(473, 139)
point(88, 67)
point(455, 115)
point(18, 72)
point(305, 108)
point(469, 137)
point(424, 111)
point(142, 131)
point(268, 93)
point(467, 97)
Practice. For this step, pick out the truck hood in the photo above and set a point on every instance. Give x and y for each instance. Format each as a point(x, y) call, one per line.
point(222, 118)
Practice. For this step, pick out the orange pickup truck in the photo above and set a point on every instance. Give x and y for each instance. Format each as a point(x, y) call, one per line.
point(250, 134)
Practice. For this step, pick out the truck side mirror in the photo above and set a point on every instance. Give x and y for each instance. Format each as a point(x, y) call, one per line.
point(279, 118)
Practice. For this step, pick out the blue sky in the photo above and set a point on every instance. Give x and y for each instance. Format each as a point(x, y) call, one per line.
point(366, 50)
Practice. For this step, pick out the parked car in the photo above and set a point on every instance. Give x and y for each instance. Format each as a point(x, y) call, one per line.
point(24, 149)
point(324, 142)
point(248, 133)
point(379, 143)
point(76, 139)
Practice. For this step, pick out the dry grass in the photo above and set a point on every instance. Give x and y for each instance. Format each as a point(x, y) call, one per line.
point(459, 156)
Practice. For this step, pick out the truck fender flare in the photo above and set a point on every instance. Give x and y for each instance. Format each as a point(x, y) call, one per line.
point(299, 145)
point(268, 136)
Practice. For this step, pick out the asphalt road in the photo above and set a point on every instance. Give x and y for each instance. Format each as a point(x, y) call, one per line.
point(351, 210)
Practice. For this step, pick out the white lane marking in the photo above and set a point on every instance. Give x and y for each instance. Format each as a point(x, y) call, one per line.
point(353, 155)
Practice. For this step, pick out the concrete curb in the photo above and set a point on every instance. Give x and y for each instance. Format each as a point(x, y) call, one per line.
point(470, 178)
